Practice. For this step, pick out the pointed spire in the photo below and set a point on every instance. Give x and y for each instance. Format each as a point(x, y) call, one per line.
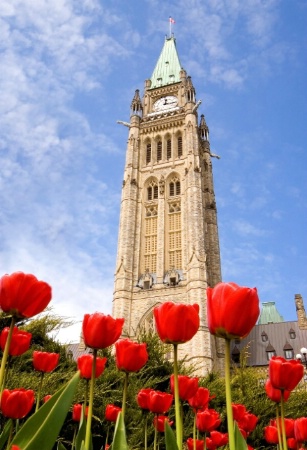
point(189, 90)
point(203, 128)
point(168, 67)
point(136, 104)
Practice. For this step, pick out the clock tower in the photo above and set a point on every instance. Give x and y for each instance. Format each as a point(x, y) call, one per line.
point(168, 245)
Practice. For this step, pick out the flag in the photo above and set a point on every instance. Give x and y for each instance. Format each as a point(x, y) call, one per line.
point(171, 20)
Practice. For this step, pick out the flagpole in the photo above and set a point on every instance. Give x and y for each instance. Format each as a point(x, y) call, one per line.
point(170, 27)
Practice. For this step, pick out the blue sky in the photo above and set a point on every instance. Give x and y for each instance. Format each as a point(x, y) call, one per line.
point(69, 70)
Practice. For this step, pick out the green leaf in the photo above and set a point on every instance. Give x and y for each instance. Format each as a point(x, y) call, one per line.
point(80, 438)
point(170, 438)
point(119, 440)
point(41, 430)
point(61, 446)
point(5, 433)
point(240, 442)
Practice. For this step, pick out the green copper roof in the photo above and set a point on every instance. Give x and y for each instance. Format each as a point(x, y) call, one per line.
point(168, 67)
point(269, 314)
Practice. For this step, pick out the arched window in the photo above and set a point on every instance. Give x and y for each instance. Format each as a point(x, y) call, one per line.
point(174, 188)
point(159, 151)
point(148, 153)
point(152, 191)
point(179, 146)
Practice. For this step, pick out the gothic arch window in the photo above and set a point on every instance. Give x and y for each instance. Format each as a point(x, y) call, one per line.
point(173, 229)
point(174, 188)
point(147, 324)
point(148, 152)
point(179, 146)
point(152, 190)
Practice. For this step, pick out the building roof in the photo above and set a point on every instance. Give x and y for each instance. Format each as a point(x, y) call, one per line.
point(269, 314)
point(168, 67)
point(272, 337)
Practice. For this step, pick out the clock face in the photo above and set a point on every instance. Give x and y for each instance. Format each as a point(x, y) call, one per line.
point(165, 103)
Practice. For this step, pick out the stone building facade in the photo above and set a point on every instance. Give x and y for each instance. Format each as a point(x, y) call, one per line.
point(168, 245)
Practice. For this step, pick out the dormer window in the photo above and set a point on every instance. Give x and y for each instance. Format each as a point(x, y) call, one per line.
point(270, 352)
point(292, 334)
point(264, 336)
point(288, 351)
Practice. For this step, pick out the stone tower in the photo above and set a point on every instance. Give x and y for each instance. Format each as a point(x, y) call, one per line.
point(168, 246)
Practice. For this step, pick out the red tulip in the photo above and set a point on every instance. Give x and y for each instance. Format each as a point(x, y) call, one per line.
point(199, 444)
point(130, 356)
point(238, 411)
point(16, 404)
point(219, 439)
point(292, 443)
point(187, 386)
point(210, 444)
point(45, 361)
point(232, 310)
point(143, 398)
point(207, 420)
point(248, 422)
point(300, 429)
point(289, 426)
point(285, 374)
point(159, 423)
point(275, 394)
point(101, 331)
point(20, 341)
point(22, 295)
point(85, 363)
point(77, 412)
point(271, 434)
point(15, 447)
point(112, 412)
point(46, 398)
point(200, 400)
point(176, 322)
point(160, 402)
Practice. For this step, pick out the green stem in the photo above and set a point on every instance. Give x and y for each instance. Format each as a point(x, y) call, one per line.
point(145, 432)
point(38, 399)
point(177, 401)
point(278, 428)
point(86, 392)
point(91, 401)
point(194, 430)
point(107, 438)
point(73, 444)
point(282, 417)
point(156, 433)
point(6, 353)
point(230, 425)
point(125, 394)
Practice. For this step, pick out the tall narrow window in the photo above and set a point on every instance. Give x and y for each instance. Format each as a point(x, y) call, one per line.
point(177, 184)
point(174, 240)
point(174, 244)
point(150, 247)
point(179, 146)
point(148, 153)
point(168, 149)
point(159, 151)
